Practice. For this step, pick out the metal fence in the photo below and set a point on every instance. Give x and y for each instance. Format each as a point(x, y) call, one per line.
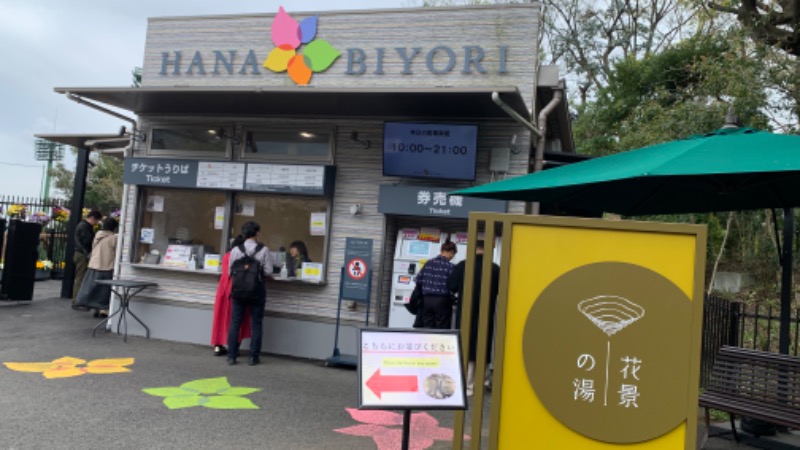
point(53, 240)
point(748, 326)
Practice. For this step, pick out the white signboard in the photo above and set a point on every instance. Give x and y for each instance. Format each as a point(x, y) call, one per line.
point(178, 256)
point(246, 207)
point(219, 217)
point(220, 175)
point(155, 203)
point(147, 235)
point(311, 272)
point(279, 177)
point(410, 369)
point(211, 262)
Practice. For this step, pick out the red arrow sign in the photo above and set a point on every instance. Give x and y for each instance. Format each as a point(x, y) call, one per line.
point(393, 383)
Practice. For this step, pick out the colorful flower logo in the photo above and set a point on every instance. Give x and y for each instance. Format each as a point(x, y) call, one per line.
point(69, 367)
point(288, 35)
point(214, 393)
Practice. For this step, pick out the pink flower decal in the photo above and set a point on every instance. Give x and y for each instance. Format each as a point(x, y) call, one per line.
point(288, 35)
point(385, 428)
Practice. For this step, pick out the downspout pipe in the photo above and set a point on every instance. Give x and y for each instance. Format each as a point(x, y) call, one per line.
point(515, 115)
point(125, 189)
point(538, 159)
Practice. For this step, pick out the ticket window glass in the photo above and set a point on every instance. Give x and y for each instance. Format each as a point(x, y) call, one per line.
point(179, 217)
point(283, 220)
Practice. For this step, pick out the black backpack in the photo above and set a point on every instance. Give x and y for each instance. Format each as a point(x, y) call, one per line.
point(247, 277)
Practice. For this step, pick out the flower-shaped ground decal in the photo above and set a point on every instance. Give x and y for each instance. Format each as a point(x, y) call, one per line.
point(73, 367)
point(214, 393)
point(386, 429)
point(288, 35)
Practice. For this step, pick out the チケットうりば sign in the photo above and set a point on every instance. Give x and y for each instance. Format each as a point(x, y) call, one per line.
point(410, 369)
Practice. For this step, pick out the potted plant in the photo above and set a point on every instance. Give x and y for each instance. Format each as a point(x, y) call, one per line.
point(43, 270)
point(17, 211)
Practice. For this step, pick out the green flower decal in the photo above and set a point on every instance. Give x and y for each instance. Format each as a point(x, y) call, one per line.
point(215, 393)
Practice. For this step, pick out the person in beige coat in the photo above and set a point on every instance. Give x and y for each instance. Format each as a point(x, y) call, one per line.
point(101, 267)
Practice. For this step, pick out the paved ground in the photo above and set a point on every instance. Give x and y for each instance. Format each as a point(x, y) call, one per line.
point(301, 402)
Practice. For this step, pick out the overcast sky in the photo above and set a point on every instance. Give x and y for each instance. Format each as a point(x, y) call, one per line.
point(88, 43)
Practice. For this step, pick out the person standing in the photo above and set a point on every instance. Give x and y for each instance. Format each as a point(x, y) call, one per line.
point(101, 267)
point(259, 252)
point(222, 307)
point(437, 303)
point(84, 237)
point(456, 284)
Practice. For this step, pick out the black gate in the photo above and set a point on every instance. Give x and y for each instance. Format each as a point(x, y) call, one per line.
point(53, 238)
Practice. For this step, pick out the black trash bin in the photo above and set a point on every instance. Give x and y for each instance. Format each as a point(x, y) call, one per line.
point(21, 254)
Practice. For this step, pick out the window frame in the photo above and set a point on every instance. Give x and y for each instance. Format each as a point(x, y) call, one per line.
point(225, 155)
point(244, 155)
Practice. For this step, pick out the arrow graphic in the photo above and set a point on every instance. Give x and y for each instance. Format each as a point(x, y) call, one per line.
point(392, 383)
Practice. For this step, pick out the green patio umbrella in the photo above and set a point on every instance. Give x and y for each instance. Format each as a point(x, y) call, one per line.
point(729, 169)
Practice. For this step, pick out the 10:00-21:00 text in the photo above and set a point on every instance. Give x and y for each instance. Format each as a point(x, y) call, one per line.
point(419, 148)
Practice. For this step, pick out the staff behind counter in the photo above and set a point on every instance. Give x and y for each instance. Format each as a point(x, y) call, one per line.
point(292, 260)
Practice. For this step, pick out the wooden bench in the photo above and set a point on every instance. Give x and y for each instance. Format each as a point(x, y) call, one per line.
point(756, 384)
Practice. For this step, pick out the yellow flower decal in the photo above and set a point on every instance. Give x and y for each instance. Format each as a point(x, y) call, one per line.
point(68, 366)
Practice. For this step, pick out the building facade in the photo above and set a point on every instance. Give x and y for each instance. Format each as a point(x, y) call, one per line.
point(321, 127)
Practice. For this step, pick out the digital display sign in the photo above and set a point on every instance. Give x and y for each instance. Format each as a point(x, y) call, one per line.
point(425, 150)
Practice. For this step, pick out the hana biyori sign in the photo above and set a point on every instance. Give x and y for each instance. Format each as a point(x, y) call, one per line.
point(300, 54)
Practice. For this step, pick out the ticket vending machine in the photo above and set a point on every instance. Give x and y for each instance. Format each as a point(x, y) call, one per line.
point(460, 239)
point(414, 247)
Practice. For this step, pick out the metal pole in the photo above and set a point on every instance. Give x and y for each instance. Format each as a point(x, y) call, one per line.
point(75, 216)
point(406, 428)
point(786, 280)
point(46, 193)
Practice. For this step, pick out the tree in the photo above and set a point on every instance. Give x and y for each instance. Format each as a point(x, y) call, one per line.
point(773, 22)
point(136, 77)
point(685, 89)
point(589, 37)
point(103, 183)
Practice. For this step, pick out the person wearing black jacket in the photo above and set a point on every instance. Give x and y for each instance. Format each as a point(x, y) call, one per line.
point(455, 282)
point(84, 236)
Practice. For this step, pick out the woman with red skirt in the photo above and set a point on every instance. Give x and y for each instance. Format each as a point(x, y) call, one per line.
point(222, 308)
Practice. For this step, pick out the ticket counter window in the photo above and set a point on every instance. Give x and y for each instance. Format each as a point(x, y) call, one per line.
point(285, 219)
point(180, 218)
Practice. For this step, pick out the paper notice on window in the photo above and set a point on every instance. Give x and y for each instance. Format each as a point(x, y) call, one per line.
point(155, 203)
point(246, 207)
point(147, 235)
point(219, 217)
point(311, 272)
point(211, 262)
point(319, 224)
